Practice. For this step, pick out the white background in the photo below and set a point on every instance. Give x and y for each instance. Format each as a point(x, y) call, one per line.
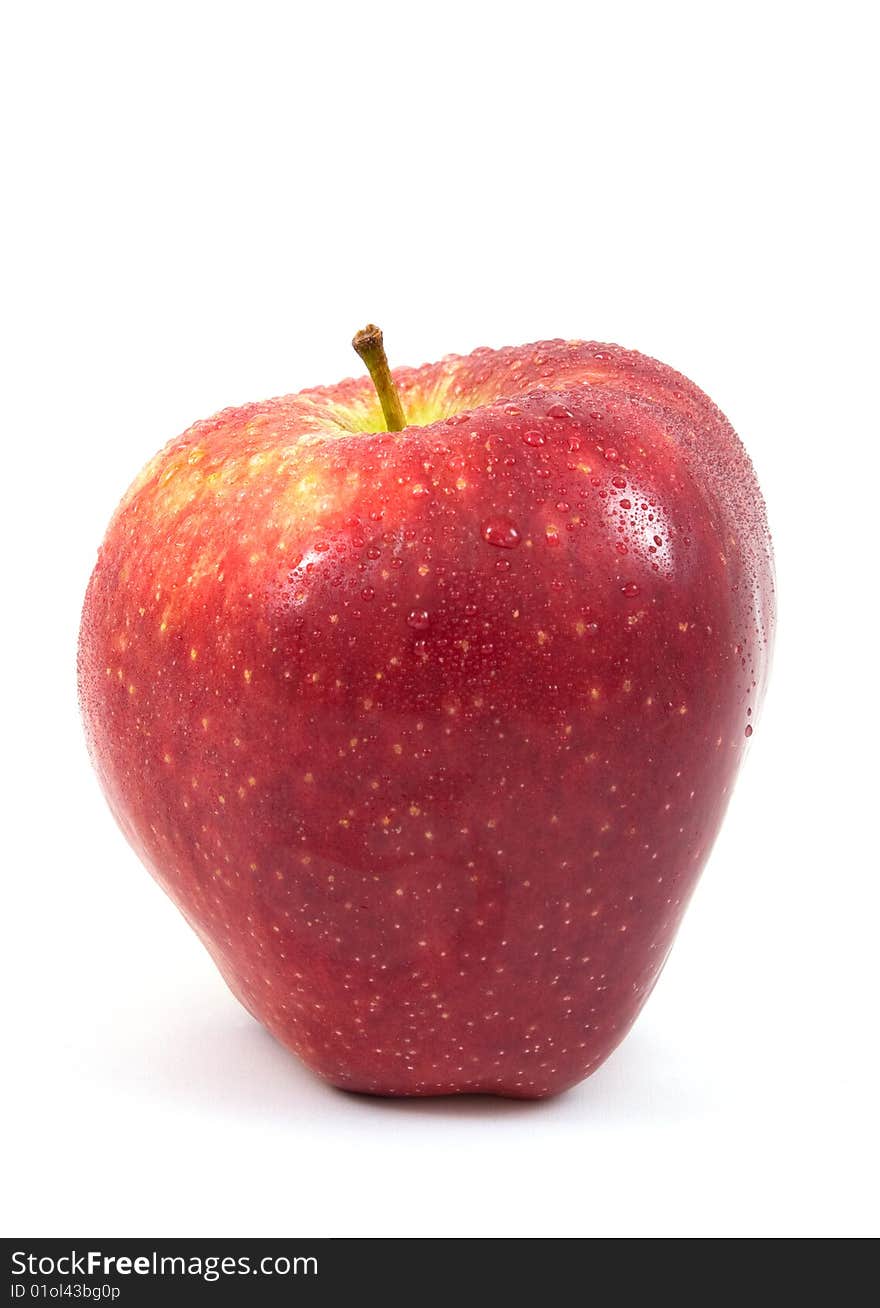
point(203, 201)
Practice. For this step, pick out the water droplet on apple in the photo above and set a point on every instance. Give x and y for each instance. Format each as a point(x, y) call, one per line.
point(558, 411)
point(626, 504)
point(630, 590)
point(368, 593)
point(618, 482)
point(533, 437)
point(418, 619)
point(611, 455)
point(749, 729)
point(502, 532)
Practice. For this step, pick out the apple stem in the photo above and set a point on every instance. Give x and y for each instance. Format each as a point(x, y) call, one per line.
point(368, 344)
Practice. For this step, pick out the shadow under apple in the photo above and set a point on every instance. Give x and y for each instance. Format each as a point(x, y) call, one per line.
point(222, 1062)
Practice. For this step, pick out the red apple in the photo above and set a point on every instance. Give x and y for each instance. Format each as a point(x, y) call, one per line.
point(428, 733)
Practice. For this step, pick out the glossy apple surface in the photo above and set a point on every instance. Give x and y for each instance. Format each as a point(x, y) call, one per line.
point(429, 733)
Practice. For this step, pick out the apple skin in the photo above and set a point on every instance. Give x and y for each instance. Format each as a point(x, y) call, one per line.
point(429, 734)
